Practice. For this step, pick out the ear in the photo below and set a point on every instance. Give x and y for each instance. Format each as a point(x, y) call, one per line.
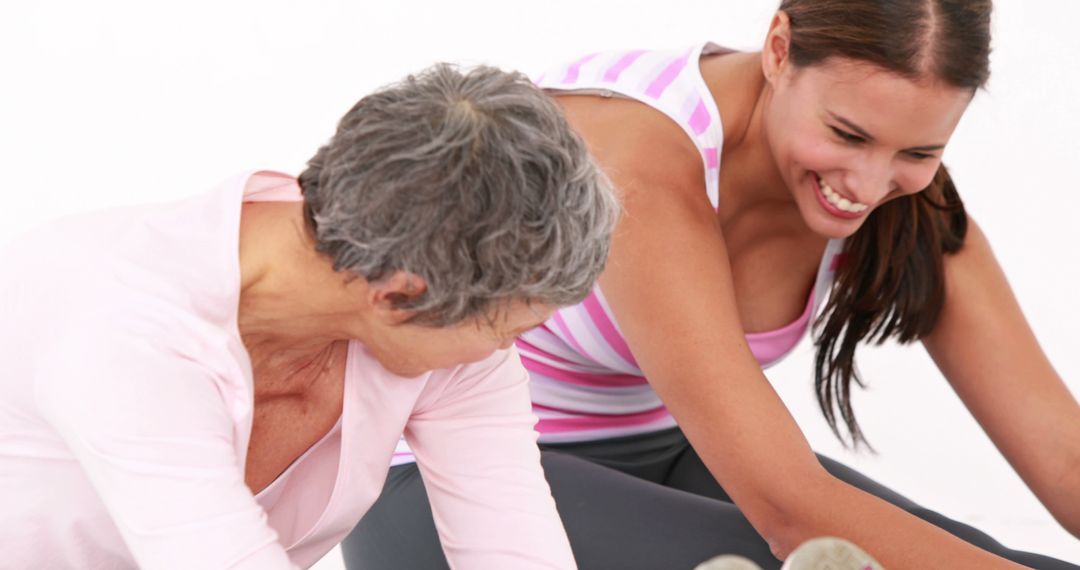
point(774, 55)
point(387, 295)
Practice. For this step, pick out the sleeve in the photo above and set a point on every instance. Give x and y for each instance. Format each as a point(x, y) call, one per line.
point(476, 448)
point(154, 435)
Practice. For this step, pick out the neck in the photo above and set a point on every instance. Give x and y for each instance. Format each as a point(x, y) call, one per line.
point(292, 303)
point(749, 175)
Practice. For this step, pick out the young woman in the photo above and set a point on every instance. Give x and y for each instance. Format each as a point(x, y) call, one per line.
point(221, 382)
point(764, 192)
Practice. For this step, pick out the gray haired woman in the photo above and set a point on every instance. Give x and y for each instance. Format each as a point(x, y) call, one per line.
point(222, 381)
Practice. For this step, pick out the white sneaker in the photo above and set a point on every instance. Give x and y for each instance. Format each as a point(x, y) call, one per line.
point(728, 562)
point(829, 553)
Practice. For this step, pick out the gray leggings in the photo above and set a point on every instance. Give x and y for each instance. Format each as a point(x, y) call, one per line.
point(641, 502)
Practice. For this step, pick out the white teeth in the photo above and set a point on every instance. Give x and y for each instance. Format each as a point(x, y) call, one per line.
point(840, 202)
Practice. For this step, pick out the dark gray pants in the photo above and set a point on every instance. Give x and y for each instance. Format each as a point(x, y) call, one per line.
point(641, 502)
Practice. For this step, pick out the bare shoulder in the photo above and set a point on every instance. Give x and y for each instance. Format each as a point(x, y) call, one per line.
point(637, 146)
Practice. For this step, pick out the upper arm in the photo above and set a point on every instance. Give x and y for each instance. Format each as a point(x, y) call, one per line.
point(985, 348)
point(475, 445)
point(155, 439)
point(669, 284)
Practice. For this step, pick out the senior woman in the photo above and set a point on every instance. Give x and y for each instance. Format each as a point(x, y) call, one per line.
point(221, 382)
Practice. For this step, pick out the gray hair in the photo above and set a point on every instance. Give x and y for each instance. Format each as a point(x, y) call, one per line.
point(473, 181)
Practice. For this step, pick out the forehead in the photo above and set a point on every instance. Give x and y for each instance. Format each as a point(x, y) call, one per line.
point(885, 104)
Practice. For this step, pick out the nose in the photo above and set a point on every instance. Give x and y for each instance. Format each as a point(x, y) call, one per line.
point(871, 180)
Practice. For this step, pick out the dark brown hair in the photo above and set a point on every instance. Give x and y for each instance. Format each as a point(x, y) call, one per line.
point(890, 282)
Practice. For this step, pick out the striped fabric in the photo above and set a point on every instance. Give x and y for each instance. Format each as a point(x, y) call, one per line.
point(584, 380)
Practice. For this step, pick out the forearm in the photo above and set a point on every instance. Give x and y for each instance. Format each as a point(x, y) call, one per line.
point(899, 540)
point(1049, 462)
point(1063, 500)
point(993, 361)
point(476, 449)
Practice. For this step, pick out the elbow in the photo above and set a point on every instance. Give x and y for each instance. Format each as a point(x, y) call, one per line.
point(1074, 530)
point(1061, 495)
point(1069, 519)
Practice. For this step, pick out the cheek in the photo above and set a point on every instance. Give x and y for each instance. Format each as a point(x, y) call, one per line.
point(916, 177)
point(813, 153)
point(797, 143)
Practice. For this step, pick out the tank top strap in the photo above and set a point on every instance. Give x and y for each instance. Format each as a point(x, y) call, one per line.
point(669, 81)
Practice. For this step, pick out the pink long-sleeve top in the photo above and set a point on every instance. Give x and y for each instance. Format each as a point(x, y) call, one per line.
point(126, 407)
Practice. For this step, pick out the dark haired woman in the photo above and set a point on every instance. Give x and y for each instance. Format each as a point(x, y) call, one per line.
point(762, 191)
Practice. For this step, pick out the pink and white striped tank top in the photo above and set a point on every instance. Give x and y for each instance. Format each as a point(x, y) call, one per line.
point(585, 382)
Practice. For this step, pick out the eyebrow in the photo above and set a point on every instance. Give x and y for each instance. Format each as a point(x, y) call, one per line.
point(862, 133)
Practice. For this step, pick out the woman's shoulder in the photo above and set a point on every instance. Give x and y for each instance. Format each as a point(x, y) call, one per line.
point(150, 271)
point(651, 117)
point(635, 144)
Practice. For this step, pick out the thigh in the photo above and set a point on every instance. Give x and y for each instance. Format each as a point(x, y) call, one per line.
point(959, 529)
point(690, 474)
point(615, 520)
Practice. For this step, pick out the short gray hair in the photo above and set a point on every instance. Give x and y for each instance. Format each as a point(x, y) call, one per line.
point(473, 181)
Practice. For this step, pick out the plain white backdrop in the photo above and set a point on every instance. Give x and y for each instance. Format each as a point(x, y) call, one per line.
point(115, 102)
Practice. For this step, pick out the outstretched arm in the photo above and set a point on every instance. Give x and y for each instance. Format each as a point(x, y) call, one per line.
point(476, 448)
point(985, 348)
point(669, 284)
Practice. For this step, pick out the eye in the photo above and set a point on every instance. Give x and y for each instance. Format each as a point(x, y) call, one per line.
point(920, 156)
point(847, 137)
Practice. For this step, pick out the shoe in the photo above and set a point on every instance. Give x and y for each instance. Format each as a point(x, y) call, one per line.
point(728, 562)
point(829, 553)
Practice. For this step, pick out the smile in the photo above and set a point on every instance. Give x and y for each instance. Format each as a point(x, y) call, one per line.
point(836, 204)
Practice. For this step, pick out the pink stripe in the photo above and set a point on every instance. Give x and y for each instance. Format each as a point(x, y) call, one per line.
point(662, 81)
point(607, 328)
point(798, 324)
point(526, 346)
point(767, 347)
point(712, 158)
point(540, 80)
point(613, 72)
point(575, 68)
point(596, 421)
point(562, 326)
point(582, 378)
point(700, 119)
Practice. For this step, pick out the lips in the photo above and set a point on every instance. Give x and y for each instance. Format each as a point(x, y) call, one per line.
point(835, 204)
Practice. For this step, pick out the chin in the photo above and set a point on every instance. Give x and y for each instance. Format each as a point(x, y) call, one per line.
point(830, 227)
point(831, 230)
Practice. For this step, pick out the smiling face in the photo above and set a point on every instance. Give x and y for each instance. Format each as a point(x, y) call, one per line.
point(847, 136)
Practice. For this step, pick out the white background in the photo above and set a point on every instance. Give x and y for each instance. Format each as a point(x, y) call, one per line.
point(113, 102)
